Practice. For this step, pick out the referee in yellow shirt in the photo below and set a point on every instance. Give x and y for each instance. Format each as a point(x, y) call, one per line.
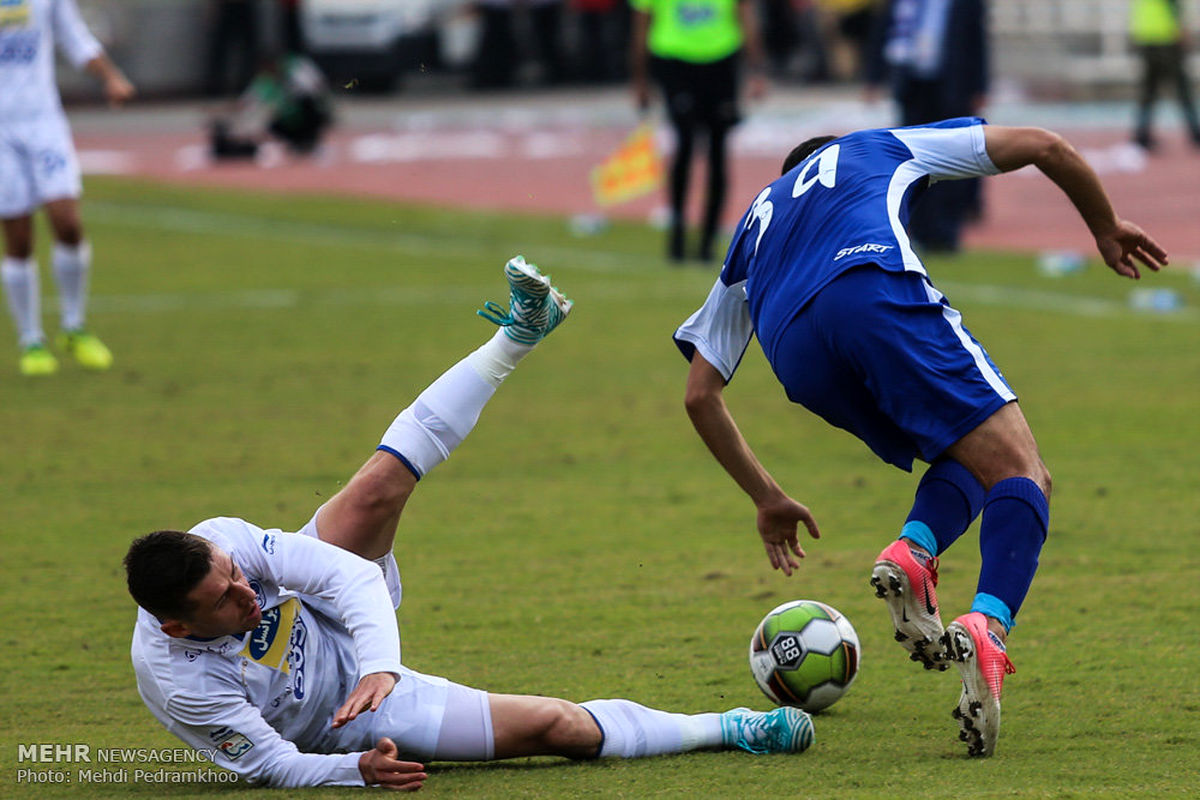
point(693, 48)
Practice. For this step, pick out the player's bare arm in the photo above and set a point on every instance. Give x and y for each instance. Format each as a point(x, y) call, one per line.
point(117, 88)
point(1121, 243)
point(779, 516)
point(369, 693)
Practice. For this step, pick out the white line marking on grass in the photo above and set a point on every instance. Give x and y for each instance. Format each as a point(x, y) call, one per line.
point(206, 223)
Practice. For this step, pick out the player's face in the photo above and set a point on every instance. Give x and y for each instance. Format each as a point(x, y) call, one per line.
point(223, 602)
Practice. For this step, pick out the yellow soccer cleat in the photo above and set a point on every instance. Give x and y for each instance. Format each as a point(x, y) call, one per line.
point(88, 350)
point(37, 360)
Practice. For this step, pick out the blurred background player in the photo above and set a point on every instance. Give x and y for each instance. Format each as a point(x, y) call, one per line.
point(694, 49)
point(288, 99)
point(39, 167)
point(1156, 30)
point(822, 272)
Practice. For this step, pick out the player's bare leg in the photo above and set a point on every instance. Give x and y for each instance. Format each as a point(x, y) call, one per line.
point(363, 516)
point(528, 726)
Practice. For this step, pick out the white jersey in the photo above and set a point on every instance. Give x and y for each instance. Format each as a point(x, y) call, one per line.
point(261, 703)
point(29, 31)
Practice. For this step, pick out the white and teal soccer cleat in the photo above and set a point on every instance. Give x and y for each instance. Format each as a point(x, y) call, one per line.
point(535, 307)
point(784, 730)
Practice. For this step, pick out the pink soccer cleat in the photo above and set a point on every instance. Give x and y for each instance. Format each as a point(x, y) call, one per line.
point(908, 588)
point(983, 665)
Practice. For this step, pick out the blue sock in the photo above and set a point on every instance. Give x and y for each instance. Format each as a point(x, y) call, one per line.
point(947, 501)
point(1016, 517)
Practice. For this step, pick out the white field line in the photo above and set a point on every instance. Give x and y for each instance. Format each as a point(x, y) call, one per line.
point(575, 258)
point(206, 223)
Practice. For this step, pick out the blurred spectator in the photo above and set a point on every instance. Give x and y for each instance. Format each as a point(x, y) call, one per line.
point(851, 23)
point(793, 40)
point(292, 34)
point(502, 52)
point(602, 36)
point(288, 99)
point(693, 48)
point(935, 55)
point(497, 58)
point(232, 43)
point(545, 25)
point(1156, 30)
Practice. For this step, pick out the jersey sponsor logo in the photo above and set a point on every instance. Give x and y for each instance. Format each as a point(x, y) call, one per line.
point(18, 47)
point(14, 13)
point(296, 651)
point(861, 248)
point(695, 13)
point(268, 644)
point(233, 744)
point(268, 544)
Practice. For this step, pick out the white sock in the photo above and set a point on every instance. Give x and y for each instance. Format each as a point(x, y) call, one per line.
point(632, 730)
point(23, 290)
point(424, 434)
point(498, 357)
point(72, 264)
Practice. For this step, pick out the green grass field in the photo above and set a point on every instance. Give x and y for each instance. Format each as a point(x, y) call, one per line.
point(582, 543)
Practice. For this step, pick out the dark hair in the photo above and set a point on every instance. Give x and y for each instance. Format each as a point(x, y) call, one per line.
point(803, 151)
point(161, 568)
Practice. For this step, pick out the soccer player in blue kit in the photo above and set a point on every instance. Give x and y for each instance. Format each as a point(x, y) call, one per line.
point(822, 271)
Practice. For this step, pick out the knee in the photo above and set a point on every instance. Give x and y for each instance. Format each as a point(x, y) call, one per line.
point(1042, 479)
point(18, 243)
point(68, 229)
point(377, 493)
point(568, 729)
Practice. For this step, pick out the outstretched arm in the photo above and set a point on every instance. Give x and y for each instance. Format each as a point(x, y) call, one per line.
point(778, 514)
point(1119, 241)
point(117, 88)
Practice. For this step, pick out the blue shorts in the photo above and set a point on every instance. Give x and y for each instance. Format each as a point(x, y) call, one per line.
point(883, 355)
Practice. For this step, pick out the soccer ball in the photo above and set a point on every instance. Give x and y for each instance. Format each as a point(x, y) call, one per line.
point(804, 654)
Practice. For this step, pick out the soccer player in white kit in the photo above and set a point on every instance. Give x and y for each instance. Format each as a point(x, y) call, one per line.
point(262, 648)
point(39, 168)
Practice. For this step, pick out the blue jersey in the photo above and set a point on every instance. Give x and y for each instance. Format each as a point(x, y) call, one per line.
point(845, 205)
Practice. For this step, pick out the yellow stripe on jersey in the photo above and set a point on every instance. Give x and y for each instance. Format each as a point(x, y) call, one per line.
point(16, 13)
point(268, 643)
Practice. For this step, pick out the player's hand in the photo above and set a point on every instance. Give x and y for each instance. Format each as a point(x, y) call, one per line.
point(118, 90)
point(366, 696)
point(1126, 243)
point(380, 766)
point(778, 522)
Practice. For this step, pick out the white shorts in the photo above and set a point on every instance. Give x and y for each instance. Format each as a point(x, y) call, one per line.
point(430, 719)
point(37, 164)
